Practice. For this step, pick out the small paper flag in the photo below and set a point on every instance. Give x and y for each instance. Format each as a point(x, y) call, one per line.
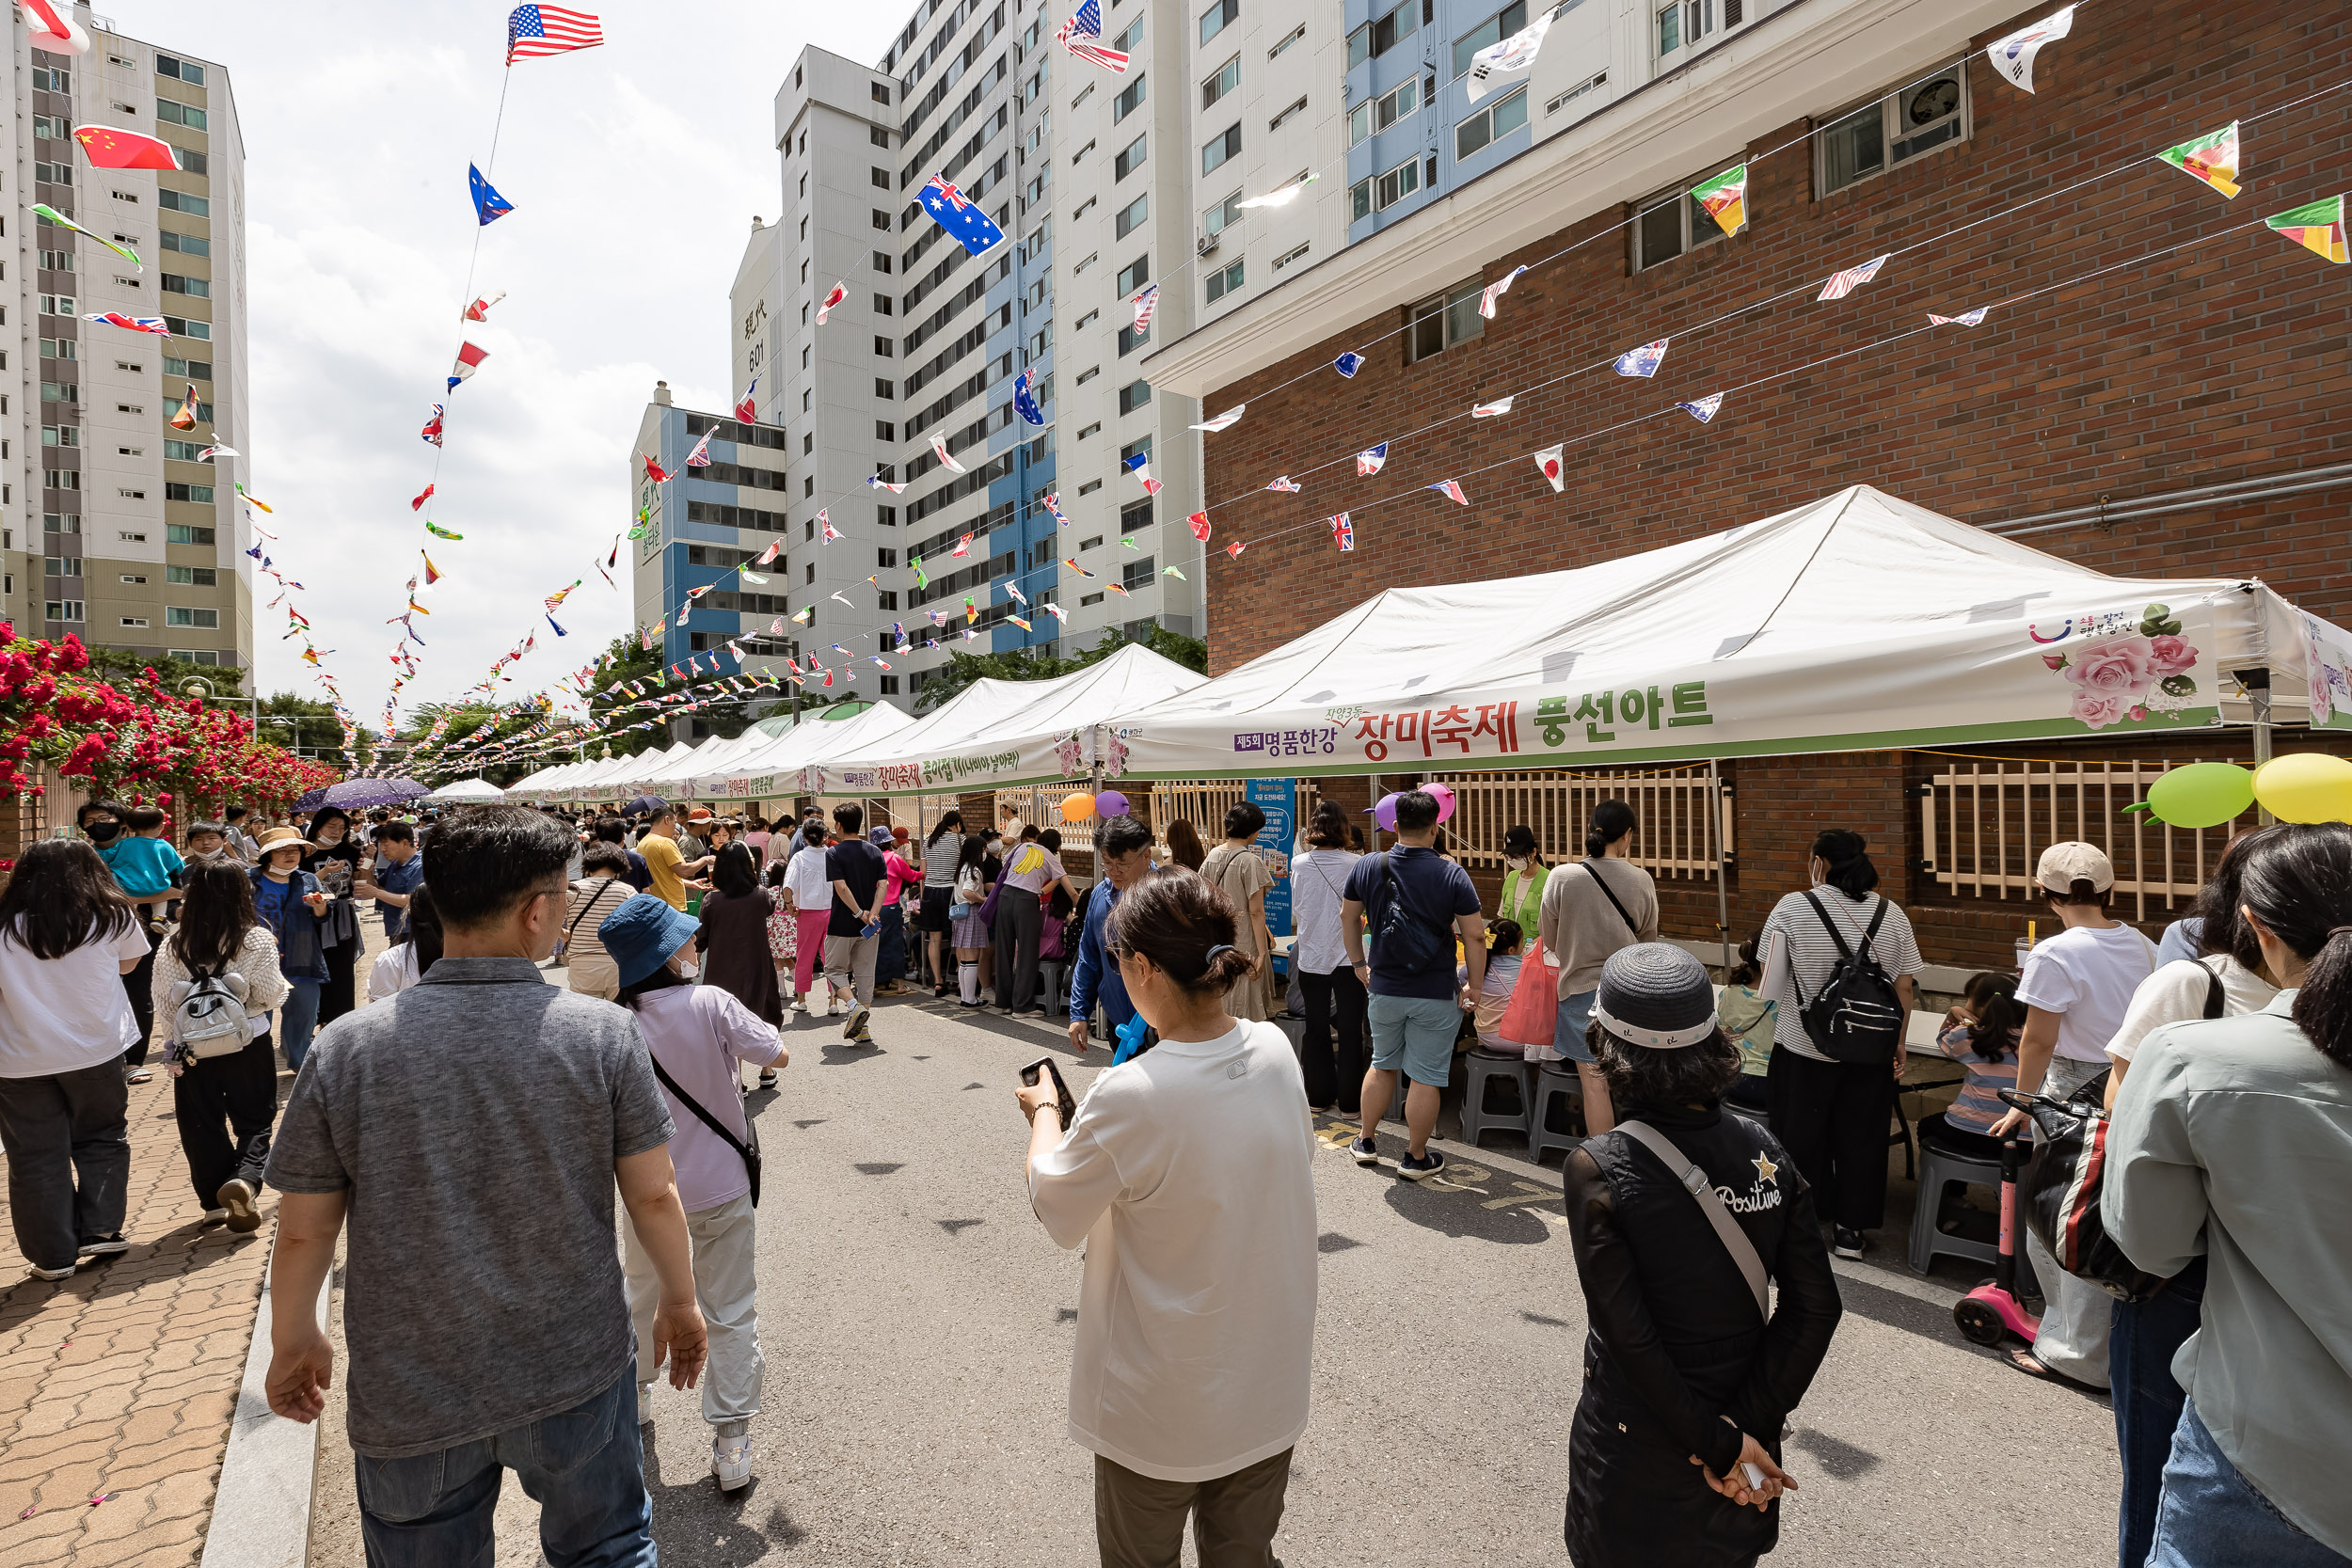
point(1342, 532)
point(2212, 157)
point(1966, 318)
point(1368, 460)
point(1348, 364)
point(1725, 199)
point(1223, 422)
point(1490, 410)
point(1547, 464)
point(939, 446)
point(439, 533)
point(1285, 484)
point(1704, 408)
point(2318, 228)
point(1642, 361)
point(1843, 283)
point(422, 495)
point(1200, 521)
point(2012, 56)
point(1452, 490)
point(1495, 291)
point(1172, 572)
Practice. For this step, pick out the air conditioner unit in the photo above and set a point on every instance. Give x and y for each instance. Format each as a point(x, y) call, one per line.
point(1206, 246)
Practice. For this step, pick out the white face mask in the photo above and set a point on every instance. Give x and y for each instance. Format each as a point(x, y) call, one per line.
point(1516, 862)
point(688, 971)
point(1814, 871)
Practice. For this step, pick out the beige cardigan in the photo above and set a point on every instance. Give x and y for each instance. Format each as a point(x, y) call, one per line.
point(257, 960)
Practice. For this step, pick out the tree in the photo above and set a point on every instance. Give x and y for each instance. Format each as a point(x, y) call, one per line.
point(307, 726)
point(1019, 664)
point(124, 664)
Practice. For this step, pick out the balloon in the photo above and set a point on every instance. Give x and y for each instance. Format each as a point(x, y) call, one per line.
point(1384, 812)
point(2202, 794)
point(1444, 797)
point(1077, 808)
point(2309, 786)
point(1110, 803)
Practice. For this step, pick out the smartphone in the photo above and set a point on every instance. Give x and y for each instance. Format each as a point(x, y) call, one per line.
point(1754, 1474)
point(1061, 1090)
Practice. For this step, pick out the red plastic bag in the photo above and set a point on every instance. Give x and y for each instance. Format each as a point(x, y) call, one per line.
point(1535, 1004)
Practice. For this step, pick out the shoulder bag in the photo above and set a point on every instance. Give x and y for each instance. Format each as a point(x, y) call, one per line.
point(2059, 1190)
point(1602, 882)
point(1702, 1191)
point(750, 1152)
point(585, 910)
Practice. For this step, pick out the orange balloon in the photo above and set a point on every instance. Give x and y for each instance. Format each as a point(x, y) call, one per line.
point(1077, 808)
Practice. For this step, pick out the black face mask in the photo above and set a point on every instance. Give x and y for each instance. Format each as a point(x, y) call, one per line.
point(102, 833)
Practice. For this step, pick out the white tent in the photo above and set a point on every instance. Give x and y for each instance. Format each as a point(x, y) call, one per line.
point(1859, 622)
point(997, 733)
point(531, 787)
point(465, 792)
point(780, 766)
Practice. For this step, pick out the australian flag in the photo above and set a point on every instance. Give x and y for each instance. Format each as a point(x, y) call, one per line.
point(1026, 401)
point(488, 206)
point(960, 215)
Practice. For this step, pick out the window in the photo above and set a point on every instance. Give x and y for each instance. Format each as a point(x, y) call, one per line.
point(201, 494)
point(1377, 113)
point(1088, 374)
point(1598, 79)
point(195, 288)
point(1131, 216)
point(881, 347)
point(53, 78)
point(882, 262)
point(1214, 152)
point(63, 609)
point(194, 577)
point(1281, 120)
point(1377, 37)
point(1135, 274)
point(881, 218)
point(880, 94)
point(169, 113)
point(1225, 282)
point(62, 522)
point(135, 580)
point(60, 391)
point(877, 178)
point(1226, 78)
point(1128, 101)
point(1386, 191)
point(1493, 122)
point(61, 566)
point(1690, 22)
point(1139, 446)
point(60, 436)
point(1896, 129)
point(1439, 323)
point(1220, 16)
point(56, 261)
point(183, 616)
point(1669, 224)
point(1132, 39)
point(1086, 321)
point(57, 305)
point(1297, 254)
point(55, 127)
point(134, 621)
point(184, 71)
point(1129, 161)
point(1129, 341)
point(1094, 429)
point(1139, 574)
point(883, 389)
point(1510, 20)
point(182, 452)
point(55, 174)
point(202, 331)
point(183, 533)
point(191, 160)
point(179, 202)
point(1092, 484)
point(60, 348)
point(879, 136)
point(1213, 222)
point(885, 429)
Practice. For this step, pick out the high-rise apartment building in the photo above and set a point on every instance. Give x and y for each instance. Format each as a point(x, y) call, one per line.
point(110, 528)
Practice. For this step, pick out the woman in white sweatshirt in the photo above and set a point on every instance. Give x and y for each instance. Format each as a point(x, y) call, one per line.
point(226, 1099)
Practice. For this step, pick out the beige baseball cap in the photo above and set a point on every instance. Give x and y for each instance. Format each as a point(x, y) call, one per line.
point(2064, 864)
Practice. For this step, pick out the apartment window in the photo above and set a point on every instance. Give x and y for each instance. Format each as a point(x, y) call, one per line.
point(1226, 80)
point(1094, 429)
point(184, 615)
point(1382, 192)
point(1383, 33)
point(182, 452)
point(1510, 20)
point(1090, 599)
point(1669, 224)
point(880, 94)
point(61, 566)
point(1139, 574)
point(879, 136)
point(1491, 123)
point(1084, 322)
point(880, 219)
point(184, 71)
point(1295, 254)
point(55, 174)
point(1893, 130)
point(1220, 16)
point(1441, 323)
point(62, 522)
point(60, 348)
point(1088, 374)
point(1130, 40)
point(1598, 79)
point(1374, 114)
point(136, 579)
point(195, 288)
point(885, 429)
point(1092, 484)
point(1135, 274)
point(1687, 23)
point(169, 113)
point(883, 389)
point(186, 244)
point(1084, 208)
point(1225, 282)
point(1213, 222)
point(55, 127)
point(884, 305)
point(1214, 152)
point(1129, 341)
point(180, 328)
point(882, 262)
point(57, 261)
point(179, 202)
point(57, 305)
point(1139, 446)
point(135, 622)
point(881, 347)
point(63, 609)
point(201, 494)
point(60, 436)
point(1128, 101)
point(1129, 161)
point(877, 178)
point(1132, 215)
point(1287, 115)
point(193, 577)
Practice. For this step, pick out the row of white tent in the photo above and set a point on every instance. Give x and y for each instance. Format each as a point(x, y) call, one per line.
point(1857, 622)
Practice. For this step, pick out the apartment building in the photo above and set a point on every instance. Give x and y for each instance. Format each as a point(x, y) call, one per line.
point(110, 528)
point(701, 525)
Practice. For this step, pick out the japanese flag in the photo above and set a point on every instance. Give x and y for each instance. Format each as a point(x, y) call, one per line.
point(1547, 464)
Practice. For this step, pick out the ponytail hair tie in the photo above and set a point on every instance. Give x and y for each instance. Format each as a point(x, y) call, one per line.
point(2335, 931)
point(1220, 947)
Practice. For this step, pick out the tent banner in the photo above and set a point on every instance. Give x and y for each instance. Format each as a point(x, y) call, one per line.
point(1034, 759)
point(2113, 666)
point(2328, 667)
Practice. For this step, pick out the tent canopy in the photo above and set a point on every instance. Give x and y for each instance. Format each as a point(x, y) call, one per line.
point(780, 768)
point(465, 790)
point(997, 733)
point(1857, 622)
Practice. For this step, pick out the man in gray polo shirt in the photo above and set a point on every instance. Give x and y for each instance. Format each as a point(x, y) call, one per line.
point(473, 1127)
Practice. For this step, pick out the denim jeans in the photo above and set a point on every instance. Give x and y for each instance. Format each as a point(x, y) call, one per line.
point(2211, 1517)
point(583, 1466)
point(2147, 1400)
point(298, 1018)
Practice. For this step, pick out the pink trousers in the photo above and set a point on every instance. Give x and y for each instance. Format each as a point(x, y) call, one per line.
point(810, 960)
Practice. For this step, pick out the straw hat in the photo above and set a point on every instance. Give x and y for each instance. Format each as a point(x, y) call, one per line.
point(283, 838)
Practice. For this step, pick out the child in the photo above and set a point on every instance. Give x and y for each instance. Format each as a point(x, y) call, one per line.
point(1503, 957)
point(145, 866)
point(1981, 1034)
point(1748, 1018)
point(206, 839)
point(699, 1036)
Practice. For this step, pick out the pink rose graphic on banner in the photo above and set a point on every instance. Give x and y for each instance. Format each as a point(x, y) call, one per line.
point(2121, 670)
point(2099, 709)
point(2120, 667)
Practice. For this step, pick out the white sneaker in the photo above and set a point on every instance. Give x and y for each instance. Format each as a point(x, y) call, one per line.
point(645, 1404)
point(800, 1005)
point(39, 1273)
point(731, 1462)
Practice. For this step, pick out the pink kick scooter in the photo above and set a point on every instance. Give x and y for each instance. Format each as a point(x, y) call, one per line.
point(1993, 1308)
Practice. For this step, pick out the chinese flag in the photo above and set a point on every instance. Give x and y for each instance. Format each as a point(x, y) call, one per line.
point(111, 148)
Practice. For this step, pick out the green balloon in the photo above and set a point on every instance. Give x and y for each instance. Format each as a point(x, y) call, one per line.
point(2202, 794)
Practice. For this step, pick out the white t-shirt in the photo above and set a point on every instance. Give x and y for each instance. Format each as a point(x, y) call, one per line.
point(804, 879)
point(2176, 993)
point(1318, 887)
point(2087, 976)
point(62, 1015)
point(1188, 1175)
point(395, 970)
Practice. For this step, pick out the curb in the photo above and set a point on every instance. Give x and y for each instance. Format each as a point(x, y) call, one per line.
point(261, 1509)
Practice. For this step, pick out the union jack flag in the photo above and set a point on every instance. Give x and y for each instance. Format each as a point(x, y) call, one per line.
point(1342, 532)
point(1286, 484)
point(1081, 36)
point(1843, 283)
point(1368, 460)
point(1452, 490)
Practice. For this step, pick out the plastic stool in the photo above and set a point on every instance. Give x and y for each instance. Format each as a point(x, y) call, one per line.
point(1485, 1069)
point(1053, 981)
point(1939, 1167)
point(1554, 1081)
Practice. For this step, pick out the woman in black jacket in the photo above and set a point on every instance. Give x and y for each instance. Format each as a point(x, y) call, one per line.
point(1685, 1382)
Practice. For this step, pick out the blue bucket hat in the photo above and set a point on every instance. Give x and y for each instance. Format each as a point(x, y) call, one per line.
point(643, 933)
point(881, 838)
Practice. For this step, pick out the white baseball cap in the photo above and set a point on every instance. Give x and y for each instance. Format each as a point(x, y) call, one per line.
point(2064, 864)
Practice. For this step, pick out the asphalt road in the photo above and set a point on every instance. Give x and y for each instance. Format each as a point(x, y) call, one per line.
point(916, 1322)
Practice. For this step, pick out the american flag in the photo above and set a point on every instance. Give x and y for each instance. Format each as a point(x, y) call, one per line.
point(1841, 284)
point(535, 31)
point(1081, 33)
point(1145, 301)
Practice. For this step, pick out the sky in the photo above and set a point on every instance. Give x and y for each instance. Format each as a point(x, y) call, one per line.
point(635, 170)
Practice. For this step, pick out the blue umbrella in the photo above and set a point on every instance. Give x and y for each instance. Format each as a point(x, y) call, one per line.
point(367, 794)
point(311, 799)
point(642, 804)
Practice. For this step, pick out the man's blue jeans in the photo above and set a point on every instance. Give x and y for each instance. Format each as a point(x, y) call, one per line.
point(2212, 1518)
point(584, 1467)
point(298, 1018)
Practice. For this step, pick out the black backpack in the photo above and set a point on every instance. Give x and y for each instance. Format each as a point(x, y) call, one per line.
point(1406, 941)
point(1855, 1016)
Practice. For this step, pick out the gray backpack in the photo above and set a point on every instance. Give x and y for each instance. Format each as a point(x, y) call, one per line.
point(208, 1016)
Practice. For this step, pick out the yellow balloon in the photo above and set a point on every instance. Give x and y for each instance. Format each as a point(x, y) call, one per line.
point(2309, 786)
point(1077, 808)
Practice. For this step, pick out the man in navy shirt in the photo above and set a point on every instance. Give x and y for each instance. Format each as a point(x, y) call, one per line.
point(1123, 848)
point(1415, 1008)
point(404, 870)
point(853, 934)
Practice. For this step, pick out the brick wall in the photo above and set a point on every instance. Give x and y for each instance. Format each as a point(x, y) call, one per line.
point(2224, 363)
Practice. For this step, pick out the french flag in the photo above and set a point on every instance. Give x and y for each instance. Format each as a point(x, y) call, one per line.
point(469, 357)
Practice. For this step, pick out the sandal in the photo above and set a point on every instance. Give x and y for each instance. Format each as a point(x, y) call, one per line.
point(2023, 1360)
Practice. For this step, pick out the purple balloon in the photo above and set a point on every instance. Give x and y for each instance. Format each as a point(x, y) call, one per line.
point(1384, 812)
point(1110, 803)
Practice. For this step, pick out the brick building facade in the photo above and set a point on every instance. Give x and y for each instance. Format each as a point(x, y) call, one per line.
point(2213, 355)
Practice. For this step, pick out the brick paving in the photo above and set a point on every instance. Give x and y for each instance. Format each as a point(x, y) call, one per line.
point(120, 1382)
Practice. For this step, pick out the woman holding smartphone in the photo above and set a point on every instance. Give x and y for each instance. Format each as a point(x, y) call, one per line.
point(1185, 1171)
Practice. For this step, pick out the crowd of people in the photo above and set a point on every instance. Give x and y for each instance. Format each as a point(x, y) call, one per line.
point(1734, 1134)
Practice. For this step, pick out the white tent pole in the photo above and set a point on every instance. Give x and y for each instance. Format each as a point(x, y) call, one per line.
point(1723, 889)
